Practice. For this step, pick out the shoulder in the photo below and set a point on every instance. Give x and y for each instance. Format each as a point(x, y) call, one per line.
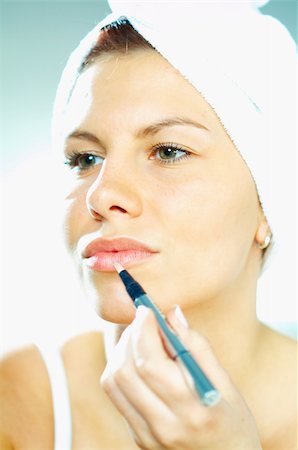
point(25, 391)
point(25, 396)
point(20, 368)
point(279, 353)
point(280, 362)
point(283, 351)
point(84, 352)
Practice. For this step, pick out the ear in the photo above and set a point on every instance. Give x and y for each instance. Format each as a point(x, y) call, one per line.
point(263, 233)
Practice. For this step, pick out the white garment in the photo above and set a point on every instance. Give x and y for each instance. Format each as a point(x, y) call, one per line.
point(60, 396)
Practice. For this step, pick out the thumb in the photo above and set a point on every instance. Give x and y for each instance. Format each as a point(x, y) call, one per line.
point(203, 353)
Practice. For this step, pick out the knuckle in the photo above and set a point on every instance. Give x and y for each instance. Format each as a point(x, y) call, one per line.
point(198, 419)
point(146, 369)
point(171, 441)
point(180, 392)
point(122, 375)
point(208, 421)
point(106, 384)
point(201, 341)
point(203, 420)
point(169, 436)
point(144, 443)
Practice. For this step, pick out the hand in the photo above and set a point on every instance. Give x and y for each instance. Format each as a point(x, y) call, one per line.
point(162, 409)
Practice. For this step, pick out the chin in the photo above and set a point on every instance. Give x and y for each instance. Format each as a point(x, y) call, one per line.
point(112, 305)
point(120, 315)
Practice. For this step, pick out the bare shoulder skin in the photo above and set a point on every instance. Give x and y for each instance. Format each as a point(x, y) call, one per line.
point(26, 402)
point(276, 409)
point(26, 405)
point(26, 411)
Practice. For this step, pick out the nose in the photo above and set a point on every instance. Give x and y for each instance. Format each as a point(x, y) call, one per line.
point(114, 194)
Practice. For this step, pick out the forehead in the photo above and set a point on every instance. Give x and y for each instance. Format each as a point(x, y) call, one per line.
point(126, 89)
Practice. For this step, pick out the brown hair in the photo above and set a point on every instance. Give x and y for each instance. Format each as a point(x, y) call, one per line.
point(116, 37)
point(119, 36)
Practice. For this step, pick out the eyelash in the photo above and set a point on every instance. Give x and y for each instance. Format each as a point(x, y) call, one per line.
point(72, 160)
point(172, 146)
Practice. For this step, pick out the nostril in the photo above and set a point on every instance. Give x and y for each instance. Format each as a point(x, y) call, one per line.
point(118, 208)
point(95, 214)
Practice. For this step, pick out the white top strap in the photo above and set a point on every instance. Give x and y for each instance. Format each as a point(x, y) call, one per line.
point(60, 396)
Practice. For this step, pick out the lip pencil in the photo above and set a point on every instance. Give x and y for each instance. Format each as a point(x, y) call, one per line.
point(207, 392)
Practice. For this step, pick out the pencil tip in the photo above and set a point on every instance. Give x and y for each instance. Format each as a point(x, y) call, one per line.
point(118, 267)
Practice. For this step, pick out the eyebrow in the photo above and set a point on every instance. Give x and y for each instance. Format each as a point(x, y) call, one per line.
point(158, 126)
point(144, 132)
point(85, 136)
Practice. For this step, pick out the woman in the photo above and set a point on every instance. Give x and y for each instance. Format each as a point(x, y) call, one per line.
point(158, 182)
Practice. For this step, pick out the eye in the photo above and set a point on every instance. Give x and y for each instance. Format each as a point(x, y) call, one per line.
point(83, 161)
point(169, 153)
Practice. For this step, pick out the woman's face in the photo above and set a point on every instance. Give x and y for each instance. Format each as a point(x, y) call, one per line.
point(163, 172)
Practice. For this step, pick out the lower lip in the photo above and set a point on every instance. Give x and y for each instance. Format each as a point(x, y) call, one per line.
point(104, 261)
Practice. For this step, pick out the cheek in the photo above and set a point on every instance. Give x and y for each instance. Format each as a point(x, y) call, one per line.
point(210, 222)
point(75, 217)
point(217, 198)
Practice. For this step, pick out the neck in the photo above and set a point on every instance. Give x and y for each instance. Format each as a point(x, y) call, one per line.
point(230, 324)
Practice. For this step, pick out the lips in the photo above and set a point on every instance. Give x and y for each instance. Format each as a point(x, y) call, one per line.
point(102, 253)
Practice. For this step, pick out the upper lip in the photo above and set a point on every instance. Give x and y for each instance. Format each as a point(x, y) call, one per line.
point(115, 245)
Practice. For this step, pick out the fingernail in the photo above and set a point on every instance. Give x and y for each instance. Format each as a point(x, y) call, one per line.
point(142, 311)
point(180, 316)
